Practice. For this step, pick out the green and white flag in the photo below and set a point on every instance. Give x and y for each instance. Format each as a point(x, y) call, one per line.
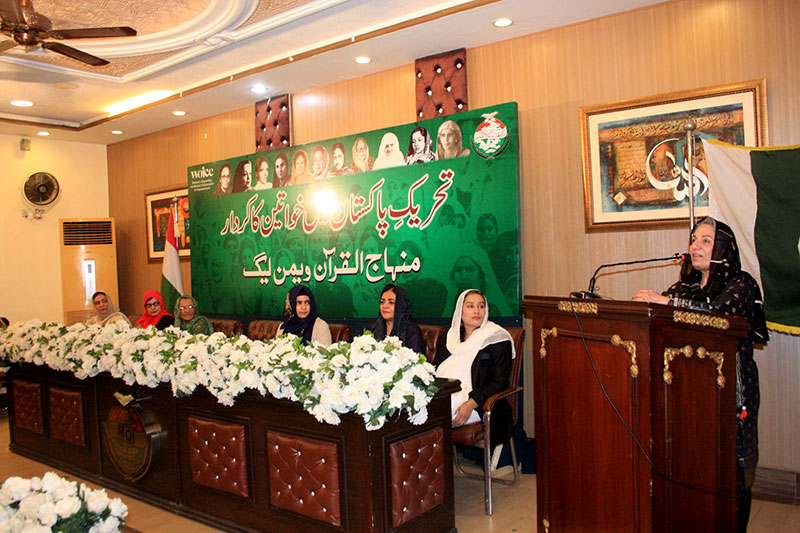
point(756, 191)
point(171, 277)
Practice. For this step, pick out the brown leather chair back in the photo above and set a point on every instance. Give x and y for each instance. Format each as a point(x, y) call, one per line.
point(228, 326)
point(259, 330)
point(431, 334)
point(339, 332)
point(133, 318)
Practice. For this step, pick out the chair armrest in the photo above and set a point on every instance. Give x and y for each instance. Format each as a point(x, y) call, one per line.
point(491, 400)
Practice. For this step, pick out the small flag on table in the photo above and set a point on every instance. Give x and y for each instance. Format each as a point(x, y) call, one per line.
point(171, 278)
point(756, 191)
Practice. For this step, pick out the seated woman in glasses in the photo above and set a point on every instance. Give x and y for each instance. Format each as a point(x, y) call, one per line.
point(154, 312)
point(188, 319)
point(105, 310)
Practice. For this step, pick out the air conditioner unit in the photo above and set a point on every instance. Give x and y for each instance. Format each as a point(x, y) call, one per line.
point(88, 264)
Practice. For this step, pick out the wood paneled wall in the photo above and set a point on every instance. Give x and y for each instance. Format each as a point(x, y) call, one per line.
point(669, 47)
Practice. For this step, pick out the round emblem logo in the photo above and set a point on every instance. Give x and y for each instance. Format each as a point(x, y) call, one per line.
point(491, 136)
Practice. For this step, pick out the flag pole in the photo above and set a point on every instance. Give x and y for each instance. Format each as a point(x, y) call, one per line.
point(690, 127)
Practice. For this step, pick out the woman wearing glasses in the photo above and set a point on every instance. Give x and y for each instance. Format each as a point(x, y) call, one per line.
point(154, 312)
point(187, 318)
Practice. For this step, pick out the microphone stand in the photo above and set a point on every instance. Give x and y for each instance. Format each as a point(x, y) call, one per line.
point(590, 294)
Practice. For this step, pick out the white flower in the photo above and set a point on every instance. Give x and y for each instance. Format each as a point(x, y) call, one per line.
point(68, 506)
point(108, 525)
point(47, 514)
point(96, 501)
point(17, 488)
point(118, 509)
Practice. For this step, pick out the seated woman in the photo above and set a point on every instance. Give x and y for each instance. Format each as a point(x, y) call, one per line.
point(302, 319)
point(478, 353)
point(154, 312)
point(395, 319)
point(188, 319)
point(713, 280)
point(105, 311)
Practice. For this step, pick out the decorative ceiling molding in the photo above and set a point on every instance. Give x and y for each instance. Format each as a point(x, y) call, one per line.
point(215, 28)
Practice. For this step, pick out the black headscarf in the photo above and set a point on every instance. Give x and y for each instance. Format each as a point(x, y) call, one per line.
point(302, 327)
point(402, 315)
point(725, 264)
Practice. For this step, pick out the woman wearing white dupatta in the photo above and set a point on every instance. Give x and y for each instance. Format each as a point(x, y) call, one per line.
point(478, 353)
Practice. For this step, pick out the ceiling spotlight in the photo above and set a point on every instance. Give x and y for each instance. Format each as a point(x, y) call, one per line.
point(117, 132)
point(258, 89)
point(502, 22)
point(178, 113)
point(21, 103)
point(362, 60)
point(42, 133)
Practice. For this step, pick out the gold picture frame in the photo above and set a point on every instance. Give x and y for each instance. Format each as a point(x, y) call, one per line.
point(157, 204)
point(635, 172)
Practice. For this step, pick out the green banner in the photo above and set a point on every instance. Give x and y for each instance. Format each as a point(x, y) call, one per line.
point(431, 206)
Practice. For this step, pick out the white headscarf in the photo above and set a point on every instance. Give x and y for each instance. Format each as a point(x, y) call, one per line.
point(395, 158)
point(462, 354)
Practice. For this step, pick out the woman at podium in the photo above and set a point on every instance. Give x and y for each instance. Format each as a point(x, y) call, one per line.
point(713, 280)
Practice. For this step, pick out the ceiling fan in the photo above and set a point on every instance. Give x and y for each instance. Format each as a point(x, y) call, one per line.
point(30, 29)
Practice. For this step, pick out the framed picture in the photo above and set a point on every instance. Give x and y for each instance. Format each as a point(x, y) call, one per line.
point(157, 207)
point(635, 163)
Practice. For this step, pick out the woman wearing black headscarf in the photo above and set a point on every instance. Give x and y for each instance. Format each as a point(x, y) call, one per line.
point(395, 319)
point(714, 280)
point(301, 318)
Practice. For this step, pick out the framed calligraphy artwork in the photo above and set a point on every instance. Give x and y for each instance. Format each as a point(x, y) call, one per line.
point(157, 207)
point(635, 162)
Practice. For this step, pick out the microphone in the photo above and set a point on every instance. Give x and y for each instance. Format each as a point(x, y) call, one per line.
point(590, 294)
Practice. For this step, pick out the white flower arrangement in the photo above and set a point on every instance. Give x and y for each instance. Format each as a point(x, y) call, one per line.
point(54, 504)
point(375, 379)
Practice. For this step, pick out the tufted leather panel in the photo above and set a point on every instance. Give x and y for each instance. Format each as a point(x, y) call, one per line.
point(229, 327)
point(431, 334)
point(66, 416)
point(339, 332)
point(28, 406)
point(417, 475)
point(259, 330)
point(441, 84)
point(304, 476)
point(272, 123)
point(218, 455)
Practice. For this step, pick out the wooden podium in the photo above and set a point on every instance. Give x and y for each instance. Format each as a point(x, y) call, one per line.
point(671, 373)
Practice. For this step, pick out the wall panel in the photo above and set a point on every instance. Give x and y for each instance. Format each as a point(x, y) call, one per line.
point(668, 47)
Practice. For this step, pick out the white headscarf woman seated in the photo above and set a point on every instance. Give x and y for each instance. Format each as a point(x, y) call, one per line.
point(105, 310)
point(478, 353)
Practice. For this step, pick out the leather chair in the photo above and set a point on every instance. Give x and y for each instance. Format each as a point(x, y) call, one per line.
point(339, 332)
point(133, 318)
point(431, 335)
point(229, 327)
point(475, 434)
point(259, 330)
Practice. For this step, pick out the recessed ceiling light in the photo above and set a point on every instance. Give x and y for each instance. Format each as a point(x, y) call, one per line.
point(117, 132)
point(502, 22)
point(362, 60)
point(42, 133)
point(21, 103)
point(258, 89)
point(178, 113)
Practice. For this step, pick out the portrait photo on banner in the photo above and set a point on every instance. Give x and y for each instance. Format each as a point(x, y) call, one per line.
point(432, 206)
point(635, 154)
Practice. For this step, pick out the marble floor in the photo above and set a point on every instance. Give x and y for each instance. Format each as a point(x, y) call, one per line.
point(514, 506)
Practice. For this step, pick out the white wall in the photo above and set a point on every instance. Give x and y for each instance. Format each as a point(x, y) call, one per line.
point(30, 256)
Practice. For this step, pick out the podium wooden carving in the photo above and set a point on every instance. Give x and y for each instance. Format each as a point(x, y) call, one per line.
point(671, 373)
